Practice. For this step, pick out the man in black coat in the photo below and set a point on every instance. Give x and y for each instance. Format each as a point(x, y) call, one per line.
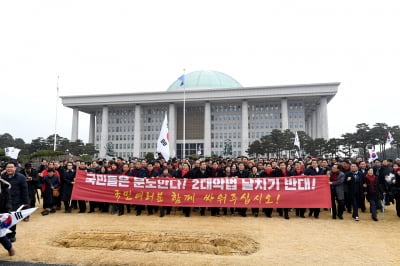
point(202, 172)
point(68, 179)
point(19, 192)
point(356, 182)
point(314, 170)
point(33, 184)
point(242, 173)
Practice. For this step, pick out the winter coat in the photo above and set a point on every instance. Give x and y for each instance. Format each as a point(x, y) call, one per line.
point(18, 190)
point(338, 186)
point(5, 196)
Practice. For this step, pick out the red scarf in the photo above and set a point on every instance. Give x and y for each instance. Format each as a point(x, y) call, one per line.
point(370, 178)
point(214, 171)
point(334, 176)
point(184, 172)
point(268, 171)
point(371, 187)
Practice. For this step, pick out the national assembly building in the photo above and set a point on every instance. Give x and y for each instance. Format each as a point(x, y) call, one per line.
point(218, 109)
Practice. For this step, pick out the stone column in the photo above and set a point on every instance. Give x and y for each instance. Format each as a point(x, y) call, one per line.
point(307, 127)
point(245, 127)
point(75, 124)
point(323, 118)
point(172, 129)
point(314, 126)
point(284, 112)
point(92, 126)
point(136, 141)
point(207, 129)
point(104, 133)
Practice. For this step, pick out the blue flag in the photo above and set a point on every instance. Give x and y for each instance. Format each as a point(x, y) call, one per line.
point(182, 79)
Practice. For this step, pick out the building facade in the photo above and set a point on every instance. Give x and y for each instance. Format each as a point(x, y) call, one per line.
point(219, 113)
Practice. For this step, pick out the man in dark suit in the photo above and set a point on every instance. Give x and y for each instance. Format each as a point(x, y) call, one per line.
point(203, 172)
point(356, 183)
point(242, 173)
point(314, 170)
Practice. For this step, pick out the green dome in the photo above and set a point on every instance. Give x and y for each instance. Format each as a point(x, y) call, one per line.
point(205, 79)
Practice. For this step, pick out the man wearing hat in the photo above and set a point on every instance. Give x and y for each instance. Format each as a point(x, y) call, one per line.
point(33, 184)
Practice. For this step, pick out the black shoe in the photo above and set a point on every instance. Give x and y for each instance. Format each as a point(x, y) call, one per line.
point(53, 210)
point(120, 213)
point(45, 212)
point(12, 239)
point(138, 213)
point(334, 217)
point(302, 216)
point(67, 211)
point(340, 217)
point(374, 218)
point(287, 217)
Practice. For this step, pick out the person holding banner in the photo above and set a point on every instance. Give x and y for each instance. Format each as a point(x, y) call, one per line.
point(151, 173)
point(336, 180)
point(202, 172)
point(185, 172)
point(68, 181)
point(254, 174)
point(282, 172)
point(227, 172)
point(242, 173)
point(297, 171)
point(165, 209)
point(268, 172)
point(314, 170)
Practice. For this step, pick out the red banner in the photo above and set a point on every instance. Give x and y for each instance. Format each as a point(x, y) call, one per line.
point(279, 192)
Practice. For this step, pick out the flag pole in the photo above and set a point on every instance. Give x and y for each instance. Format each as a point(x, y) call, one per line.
point(184, 116)
point(55, 122)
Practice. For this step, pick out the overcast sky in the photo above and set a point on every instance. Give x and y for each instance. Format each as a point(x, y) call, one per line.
point(140, 46)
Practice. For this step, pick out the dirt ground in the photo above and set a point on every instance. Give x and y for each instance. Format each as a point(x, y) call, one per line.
point(105, 239)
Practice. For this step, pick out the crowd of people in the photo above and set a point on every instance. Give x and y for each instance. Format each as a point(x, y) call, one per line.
point(353, 182)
